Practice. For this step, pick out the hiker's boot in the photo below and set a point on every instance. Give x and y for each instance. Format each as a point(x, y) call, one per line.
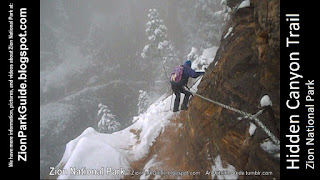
point(184, 107)
point(175, 109)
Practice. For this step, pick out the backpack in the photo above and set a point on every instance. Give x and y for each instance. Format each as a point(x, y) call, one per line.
point(176, 75)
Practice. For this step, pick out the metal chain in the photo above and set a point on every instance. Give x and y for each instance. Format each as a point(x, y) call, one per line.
point(245, 114)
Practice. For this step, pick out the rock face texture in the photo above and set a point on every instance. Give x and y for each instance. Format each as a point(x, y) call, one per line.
point(246, 67)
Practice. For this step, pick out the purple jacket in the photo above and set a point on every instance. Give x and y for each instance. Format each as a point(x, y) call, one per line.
point(188, 72)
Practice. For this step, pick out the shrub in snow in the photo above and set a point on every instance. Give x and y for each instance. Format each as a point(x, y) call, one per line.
point(107, 123)
point(203, 61)
point(143, 101)
point(193, 55)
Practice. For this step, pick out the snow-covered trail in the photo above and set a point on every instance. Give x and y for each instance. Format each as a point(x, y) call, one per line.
point(94, 155)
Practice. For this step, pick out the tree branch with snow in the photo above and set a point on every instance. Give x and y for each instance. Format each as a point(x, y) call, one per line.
point(107, 123)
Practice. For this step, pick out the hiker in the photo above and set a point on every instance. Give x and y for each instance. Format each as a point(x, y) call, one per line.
point(179, 79)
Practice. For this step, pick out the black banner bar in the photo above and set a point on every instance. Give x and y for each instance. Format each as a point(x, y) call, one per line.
point(20, 77)
point(299, 118)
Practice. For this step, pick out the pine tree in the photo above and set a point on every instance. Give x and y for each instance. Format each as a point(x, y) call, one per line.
point(107, 123)
point(158, 46)
point(159, 49)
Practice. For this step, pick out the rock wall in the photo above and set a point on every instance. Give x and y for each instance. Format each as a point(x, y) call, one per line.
point(246, 67)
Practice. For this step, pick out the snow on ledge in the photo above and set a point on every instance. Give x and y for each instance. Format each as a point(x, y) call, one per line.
point(89, 156)
point(93, 154)
point(244, 4)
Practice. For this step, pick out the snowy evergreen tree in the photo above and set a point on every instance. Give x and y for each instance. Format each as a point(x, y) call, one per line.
point(143, 101)
point(193, 55)
point(159, 49)
point(159, 45)
point(107, 123)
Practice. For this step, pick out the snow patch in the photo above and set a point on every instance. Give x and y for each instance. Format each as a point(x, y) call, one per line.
point(228, 33)
point(252, 128)
point(244, 4)
point(265, 101)
point(223, 173)
point(269, 146)
point(152, 163)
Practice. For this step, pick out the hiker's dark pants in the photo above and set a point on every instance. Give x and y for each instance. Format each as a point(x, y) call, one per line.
point(177, 89)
